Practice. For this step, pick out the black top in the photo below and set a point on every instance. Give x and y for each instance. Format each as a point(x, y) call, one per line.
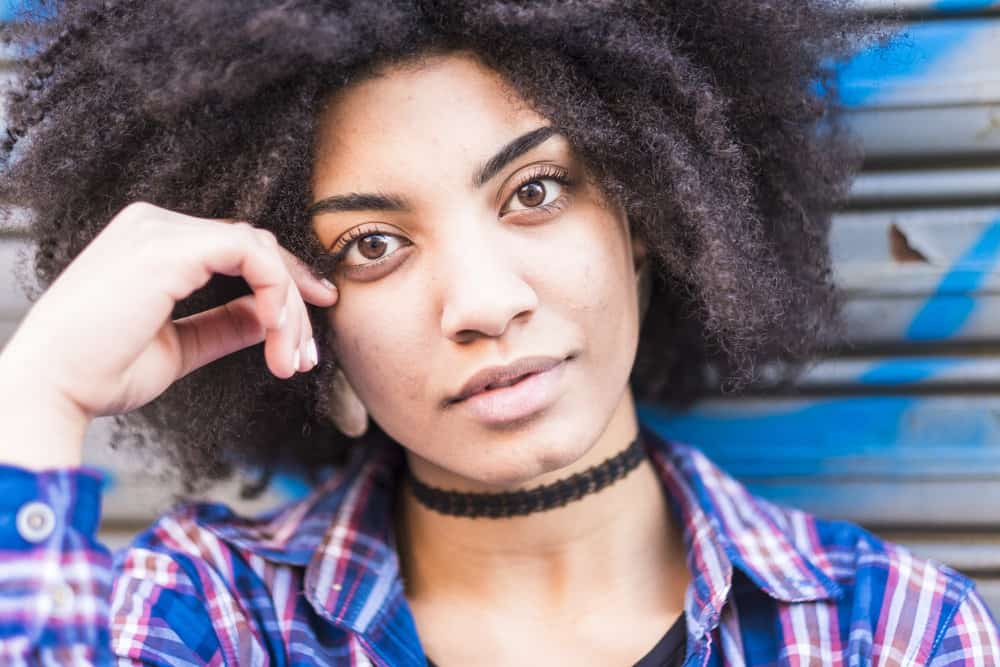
point(668, 652)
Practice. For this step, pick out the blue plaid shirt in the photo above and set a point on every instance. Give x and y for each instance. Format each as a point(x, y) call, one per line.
point(317, 581)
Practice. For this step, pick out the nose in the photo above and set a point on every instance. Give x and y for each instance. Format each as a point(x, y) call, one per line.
point(484, 288)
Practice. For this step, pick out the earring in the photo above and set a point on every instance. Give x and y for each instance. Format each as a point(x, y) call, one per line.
point(346, 409)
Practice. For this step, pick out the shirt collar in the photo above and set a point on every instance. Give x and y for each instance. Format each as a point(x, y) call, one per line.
point(342, 532)
point(725, 526)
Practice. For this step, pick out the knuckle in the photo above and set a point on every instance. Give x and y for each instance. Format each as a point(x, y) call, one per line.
point(267, 236)
point(137, 210)
point(247, 232)
point(242, 227)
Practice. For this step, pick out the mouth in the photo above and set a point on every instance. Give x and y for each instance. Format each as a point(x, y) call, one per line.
point(514, 398)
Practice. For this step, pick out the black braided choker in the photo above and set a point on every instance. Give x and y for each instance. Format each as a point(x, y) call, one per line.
point(528, 501)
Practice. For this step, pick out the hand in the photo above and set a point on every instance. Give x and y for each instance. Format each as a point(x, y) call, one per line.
point(101, 340)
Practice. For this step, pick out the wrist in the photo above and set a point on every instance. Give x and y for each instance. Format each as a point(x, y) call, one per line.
point(39, 428)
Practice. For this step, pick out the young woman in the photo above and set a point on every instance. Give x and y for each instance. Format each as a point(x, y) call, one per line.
point(532, 215)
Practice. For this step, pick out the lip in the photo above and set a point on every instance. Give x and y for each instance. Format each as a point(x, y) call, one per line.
point(537, 388)
point(497, 374)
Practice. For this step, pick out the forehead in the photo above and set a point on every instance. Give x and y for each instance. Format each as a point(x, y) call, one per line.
point(441, 115)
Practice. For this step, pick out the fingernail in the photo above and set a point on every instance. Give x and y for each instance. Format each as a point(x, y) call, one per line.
point(295, 360)
point(311, 351)
point(283, 316)
point(327, 284)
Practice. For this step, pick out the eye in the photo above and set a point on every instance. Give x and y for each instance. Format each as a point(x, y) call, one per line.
point(364, 247)
point(546, 190)
point(535, 193)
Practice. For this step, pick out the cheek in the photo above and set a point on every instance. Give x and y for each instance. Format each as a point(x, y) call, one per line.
point(371, 343)
point(592, 275)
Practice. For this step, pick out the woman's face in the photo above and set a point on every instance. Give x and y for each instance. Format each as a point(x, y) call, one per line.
point(461, 255)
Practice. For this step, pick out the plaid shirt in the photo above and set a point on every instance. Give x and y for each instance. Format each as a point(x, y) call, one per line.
point(316, 581)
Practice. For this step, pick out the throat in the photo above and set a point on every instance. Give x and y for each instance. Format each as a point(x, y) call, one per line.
point(610, 546)
point(548, 579)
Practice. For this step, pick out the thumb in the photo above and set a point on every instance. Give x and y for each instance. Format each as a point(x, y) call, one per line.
point(206, 336)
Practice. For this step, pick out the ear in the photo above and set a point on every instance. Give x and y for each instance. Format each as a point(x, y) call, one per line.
point(639, 252)
point(346, 409)
point(643, 274)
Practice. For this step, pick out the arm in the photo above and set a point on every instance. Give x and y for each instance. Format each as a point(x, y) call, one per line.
point(59, 584)
point(971, 638)
point(100, 341)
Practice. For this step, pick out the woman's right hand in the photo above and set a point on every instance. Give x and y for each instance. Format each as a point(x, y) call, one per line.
point(100, 338)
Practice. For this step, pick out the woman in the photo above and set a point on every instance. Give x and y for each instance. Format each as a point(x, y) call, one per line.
point(502, 193)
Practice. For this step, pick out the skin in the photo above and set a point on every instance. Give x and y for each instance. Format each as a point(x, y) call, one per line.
point(473, 277)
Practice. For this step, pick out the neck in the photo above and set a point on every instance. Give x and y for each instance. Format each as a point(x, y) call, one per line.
point(617, 543)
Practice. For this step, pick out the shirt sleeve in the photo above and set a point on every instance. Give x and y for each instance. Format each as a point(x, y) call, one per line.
point(971, 639)
point(59, 585)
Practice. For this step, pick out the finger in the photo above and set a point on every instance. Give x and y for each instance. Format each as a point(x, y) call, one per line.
point(315, 290)
point(305, 335)
point(312, 289)
point(242, 250)
point(216, 332)
point(282, 348)
point(237, 250)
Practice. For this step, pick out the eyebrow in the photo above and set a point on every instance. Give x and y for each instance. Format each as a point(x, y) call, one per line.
point(380, 201)
point(511, 152)
point(359, 201)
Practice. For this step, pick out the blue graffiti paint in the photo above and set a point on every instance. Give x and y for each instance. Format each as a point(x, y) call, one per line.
point(909, 54)
point(11, 10)
point(951, 6)
point(906, 371)
point(944, 314)
point(861, 422)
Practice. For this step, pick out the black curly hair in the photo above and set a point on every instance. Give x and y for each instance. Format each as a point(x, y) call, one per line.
point(711, 121)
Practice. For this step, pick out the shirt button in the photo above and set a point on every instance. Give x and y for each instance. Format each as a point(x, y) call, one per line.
point(35, 521)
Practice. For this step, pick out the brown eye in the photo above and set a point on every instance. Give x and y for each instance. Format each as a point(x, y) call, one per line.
point(372, 246)
point(534, 193)
point(531, 194)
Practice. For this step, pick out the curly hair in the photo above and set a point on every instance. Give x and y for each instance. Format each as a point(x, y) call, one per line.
point(713, 122)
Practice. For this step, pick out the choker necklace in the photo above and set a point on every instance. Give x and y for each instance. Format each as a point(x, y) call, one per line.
point(528, 501)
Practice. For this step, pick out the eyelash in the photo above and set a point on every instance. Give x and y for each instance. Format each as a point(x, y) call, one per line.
point(543, 172)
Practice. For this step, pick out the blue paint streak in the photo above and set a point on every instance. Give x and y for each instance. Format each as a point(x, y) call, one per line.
point(963, 5)
point(898, 435)
point(866, 421)
point(910, 371)
point(910, 54)
point(945, 313)
point(15, 9)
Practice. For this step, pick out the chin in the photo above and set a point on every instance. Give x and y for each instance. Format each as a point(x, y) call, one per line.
point(523, 466)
